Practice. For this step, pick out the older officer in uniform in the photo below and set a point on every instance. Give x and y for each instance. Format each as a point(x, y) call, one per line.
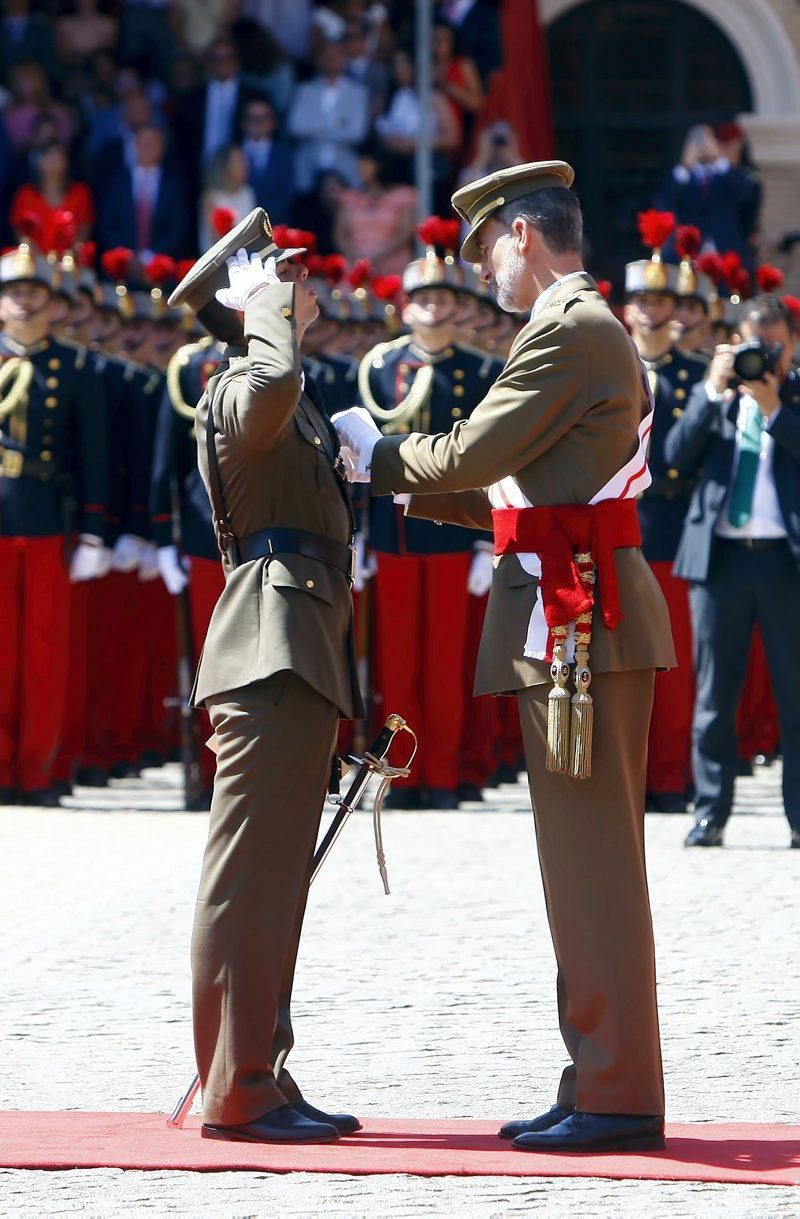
point(275, 676)
point(563, 428)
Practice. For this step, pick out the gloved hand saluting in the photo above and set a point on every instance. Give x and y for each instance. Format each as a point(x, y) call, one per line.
point(358, 435)
point(247, 274)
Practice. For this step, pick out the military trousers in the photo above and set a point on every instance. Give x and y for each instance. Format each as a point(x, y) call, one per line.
point(590, 839)
point(276, 740)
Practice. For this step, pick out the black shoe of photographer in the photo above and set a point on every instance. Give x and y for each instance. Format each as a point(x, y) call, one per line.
point(282, 1125)
point(704, 834)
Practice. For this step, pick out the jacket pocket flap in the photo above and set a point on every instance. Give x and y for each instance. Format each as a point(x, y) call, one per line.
point(307, 575)
point(514, 575)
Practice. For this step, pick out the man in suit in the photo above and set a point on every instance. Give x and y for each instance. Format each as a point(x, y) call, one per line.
point(269, 160)
point(144, 206)
point(329, 118)
point(276, 675)
point(563, 428)
point(740, 550)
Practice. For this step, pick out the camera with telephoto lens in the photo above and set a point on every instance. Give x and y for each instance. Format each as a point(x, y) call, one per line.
point(753, 359)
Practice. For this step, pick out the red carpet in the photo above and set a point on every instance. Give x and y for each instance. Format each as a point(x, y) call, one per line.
point(756, 1154)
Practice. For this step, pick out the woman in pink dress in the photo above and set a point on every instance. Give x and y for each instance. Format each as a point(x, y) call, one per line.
point(377, 221)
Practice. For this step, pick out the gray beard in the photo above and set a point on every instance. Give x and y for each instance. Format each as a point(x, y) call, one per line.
point(509, 279)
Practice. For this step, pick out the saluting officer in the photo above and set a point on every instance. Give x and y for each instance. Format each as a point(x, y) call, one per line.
point(651, 288)
point(423, 382)
point(53, 486)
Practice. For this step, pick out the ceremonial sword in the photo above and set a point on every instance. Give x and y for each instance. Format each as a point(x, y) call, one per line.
point(373, 762)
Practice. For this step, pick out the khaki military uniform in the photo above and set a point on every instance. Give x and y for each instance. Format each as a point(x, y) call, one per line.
point(276, 674)
point(562, 418)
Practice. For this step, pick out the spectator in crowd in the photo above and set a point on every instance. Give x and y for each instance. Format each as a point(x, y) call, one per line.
point(377, 220)
point(741, 552)
point(112, 134)
point(288, 20)
point(82, 32)
point(25, 37)
point(265, 65)
point(707, 191)
point(146, 34)
point(497, 148)
point(457, 78)
point(476, 24)
point(329, 119)
point(210, 118)
point(52, 191)
point(398, 128)
point(362, 64)
point(317, 209)
point(735, 148)
point(269, 160)
point(196, 23)
point(144, 206)
point(31, 99)
point(227, 188)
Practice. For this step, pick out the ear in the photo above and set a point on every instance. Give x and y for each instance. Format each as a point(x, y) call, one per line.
point(627, 314)
point(523, 233)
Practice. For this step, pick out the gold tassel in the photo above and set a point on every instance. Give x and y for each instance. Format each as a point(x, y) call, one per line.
point(558, 707)
point(582, 717)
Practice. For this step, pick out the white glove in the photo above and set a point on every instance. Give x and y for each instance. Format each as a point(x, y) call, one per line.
point(358, 434)
point(479, 580)
point(174, 570)
point(350, 463)
point(246, 276)
point(90, 559)
point(366, 565)
point(148, 563)
point(127, 552)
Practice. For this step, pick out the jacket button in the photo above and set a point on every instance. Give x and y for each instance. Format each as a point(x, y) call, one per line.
point(317, 440)
point(457, 412)
point(309, 583)
point(45, 455)
point(52, 382)
point(673, 473)
point(458, 373)
point(677, 412)
point(458, 391)
point(55, 364)
point(680, 393)
point(286, 311)
point(51, 402)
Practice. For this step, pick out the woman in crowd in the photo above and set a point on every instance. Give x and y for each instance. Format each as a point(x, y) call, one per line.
point(227, 187)
point(52, 191)
point(84, 31)
point(457, 78)
point(30, 100)
point(398, 128)
point(377, 221)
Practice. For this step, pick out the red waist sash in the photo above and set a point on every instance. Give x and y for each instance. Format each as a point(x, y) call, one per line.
point(556, 534)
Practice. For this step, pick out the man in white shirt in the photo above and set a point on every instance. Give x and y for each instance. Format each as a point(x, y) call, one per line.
point(741, 552)
point(329, 119)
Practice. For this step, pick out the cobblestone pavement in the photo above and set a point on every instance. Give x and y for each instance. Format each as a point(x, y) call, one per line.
point(437, 1001)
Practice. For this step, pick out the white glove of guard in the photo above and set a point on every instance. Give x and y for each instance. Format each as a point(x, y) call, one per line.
point(359, 434)
point(90, 559)
point(246, 275)
point(479, 580)
point(148, 563)
point(127, 552)
point(366, 564)
point(174, 570)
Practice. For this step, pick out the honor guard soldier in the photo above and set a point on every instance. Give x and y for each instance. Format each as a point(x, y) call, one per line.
point(53, 500)
point(422, 382)
point(651, 288)
point(276, 675)
point(182, 524)
point(697, 304)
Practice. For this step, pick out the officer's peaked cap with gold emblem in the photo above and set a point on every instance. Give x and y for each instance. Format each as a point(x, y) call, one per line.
point(209, 273)
point(477, 201)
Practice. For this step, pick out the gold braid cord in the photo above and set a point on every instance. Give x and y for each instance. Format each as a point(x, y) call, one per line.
point(16, 374)
point(558, 705)
point(408, 409)
point(176, 364)
point(582, 724)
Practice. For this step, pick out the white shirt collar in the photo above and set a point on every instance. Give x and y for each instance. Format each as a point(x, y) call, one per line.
point(549, 292)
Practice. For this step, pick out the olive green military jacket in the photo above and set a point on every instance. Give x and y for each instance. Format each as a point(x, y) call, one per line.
point(276, 454)
point(562, 418)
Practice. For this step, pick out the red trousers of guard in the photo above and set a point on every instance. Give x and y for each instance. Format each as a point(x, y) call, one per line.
point(670, 744)
point(73, 729)
point(421, 628)
point(757, 720)
point(116, 669)
point(206, 582)
point(34, 658)
point(157, 729)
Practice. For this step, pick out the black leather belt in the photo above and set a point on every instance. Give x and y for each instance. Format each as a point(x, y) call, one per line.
point(753, 543)
point(297, 541)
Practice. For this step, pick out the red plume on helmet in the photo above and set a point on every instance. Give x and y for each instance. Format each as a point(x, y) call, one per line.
point(710, 264)
point(740, 283)
point(439, 234)
point(688, 240)
point(792, 303)
point(222, 220)
point(386, 287)
point(655, 227)
point(731, 263)
point(116, 263)
point(335, 268)
point(315, 264)
point(160, 270)
point(768, 277)
point(182, 268)
point(360, 273)
point(605, 288)
point(87, 254)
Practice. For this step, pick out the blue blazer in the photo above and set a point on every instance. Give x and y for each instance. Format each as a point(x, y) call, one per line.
point(116, 221)
point(703, 442)
point(274, 186)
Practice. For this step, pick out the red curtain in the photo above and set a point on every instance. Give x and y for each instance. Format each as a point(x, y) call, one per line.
point(520, 91)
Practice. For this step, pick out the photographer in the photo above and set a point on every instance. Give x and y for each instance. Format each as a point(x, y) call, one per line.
point(740, 550)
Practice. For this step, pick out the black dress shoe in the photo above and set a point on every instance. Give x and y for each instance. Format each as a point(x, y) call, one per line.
point(794, 841)
point(507, 773)
point(343, 1123)
point(404, 797)
point(469, 792)
point(92, 776)
point(666, 802)
point(705, 834)
point(440, 799)
point(9, 795)
point(597, 1132)
point(744, 768)
point(200, 803)
point(41, 797)
point(512, 1130)
point(282, 1125)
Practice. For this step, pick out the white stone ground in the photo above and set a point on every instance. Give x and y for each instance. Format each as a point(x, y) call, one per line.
point(437, 1001)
